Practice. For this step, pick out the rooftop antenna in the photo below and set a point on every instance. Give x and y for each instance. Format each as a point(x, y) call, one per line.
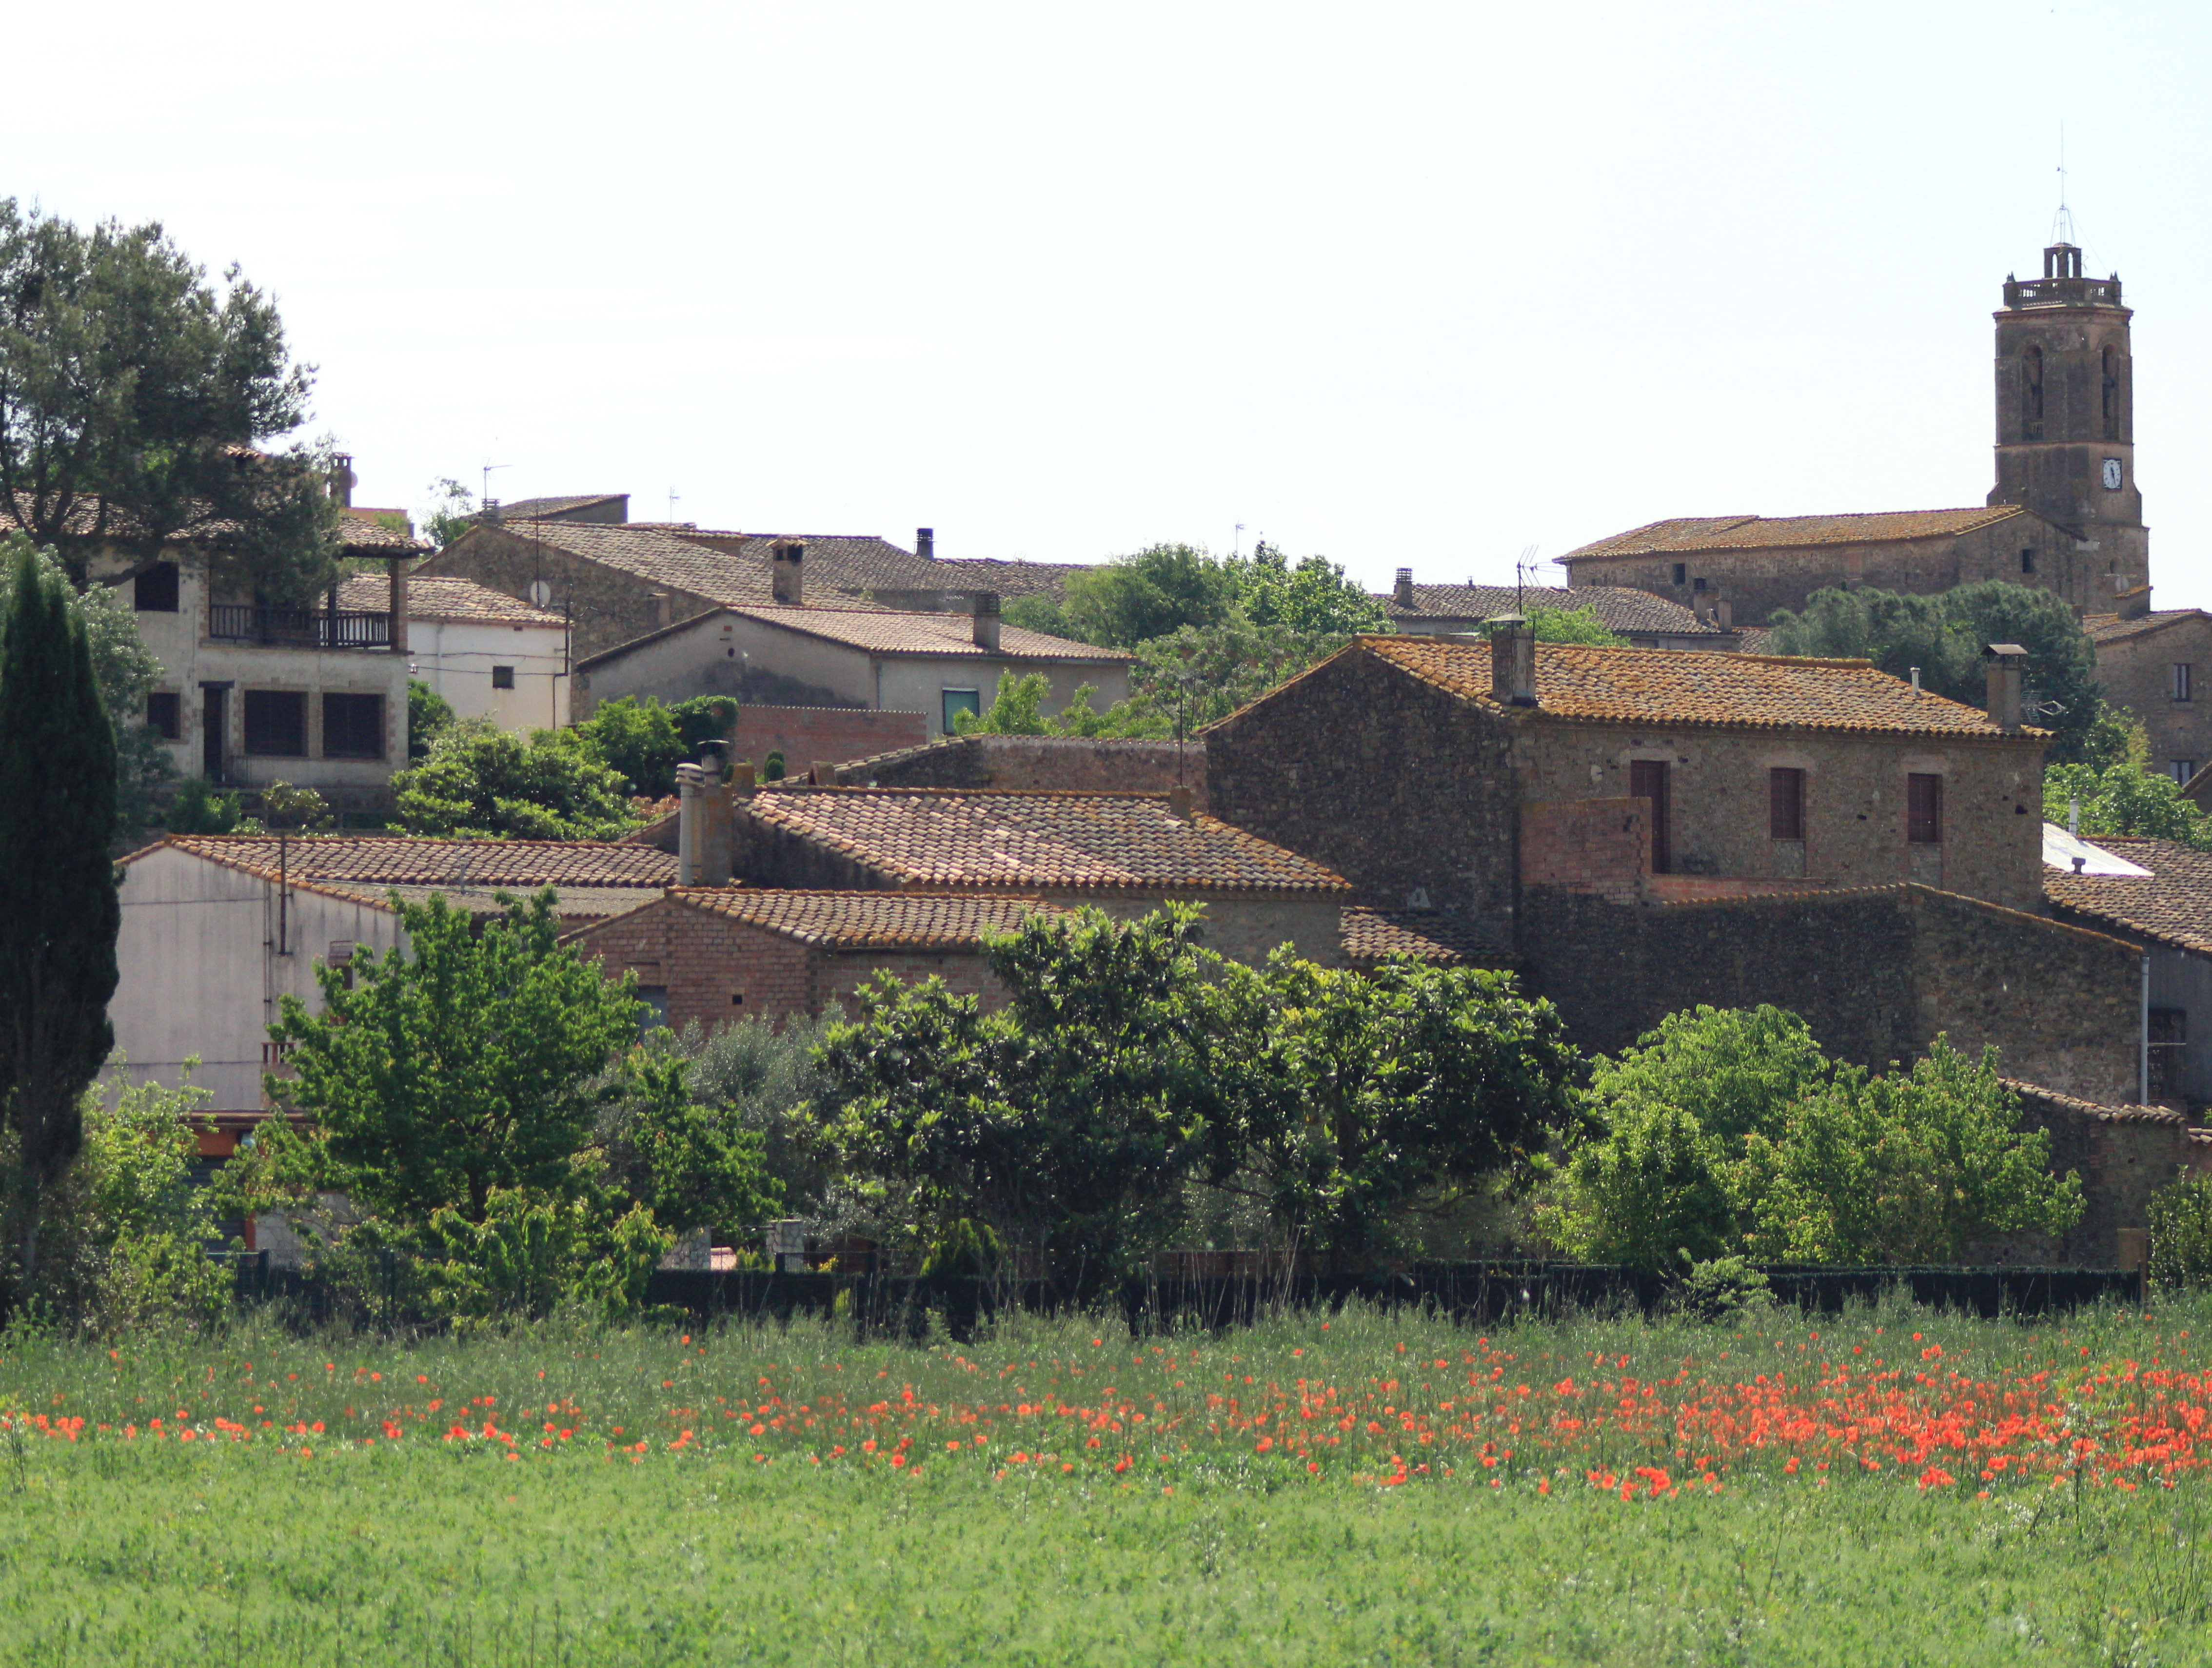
point(673, 500)
point(2061, 223)
point(1523, 568)
point(1238, 543)
point(488, 469)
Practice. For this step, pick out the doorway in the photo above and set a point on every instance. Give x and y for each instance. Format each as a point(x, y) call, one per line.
point(1647, 779)
point(215, 725)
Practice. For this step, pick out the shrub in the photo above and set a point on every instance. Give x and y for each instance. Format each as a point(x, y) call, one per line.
point(2181, 1233)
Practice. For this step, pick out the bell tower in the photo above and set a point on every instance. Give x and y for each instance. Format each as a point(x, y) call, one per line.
point(2066, 424)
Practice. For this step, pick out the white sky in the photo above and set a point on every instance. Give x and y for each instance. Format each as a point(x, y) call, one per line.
point(1419, 284)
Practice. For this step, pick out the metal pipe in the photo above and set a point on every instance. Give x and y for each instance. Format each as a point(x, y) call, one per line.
point(2142, 1049)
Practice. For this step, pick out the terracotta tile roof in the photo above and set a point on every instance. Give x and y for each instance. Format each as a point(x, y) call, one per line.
point(2096, 1109)
point(644, 553)
point(2110, 628)
point(1008, 579)
point(392, 861)
point(361, 533)
point(1370, 935)
point(1692, 687)
point(1758, 532)
point(1619, 607)
point(955, 837)
point(856, 563)
point(883, 632)
point(358, 534)
point(528, 509)
point(868, 920)
point(433, 597)
point(2173, 906)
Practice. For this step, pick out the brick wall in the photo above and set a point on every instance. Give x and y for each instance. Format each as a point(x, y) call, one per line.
point(1070, 764)
point(807, 736)
point(1595, 845)
point(715, 970)
point(1876, 974)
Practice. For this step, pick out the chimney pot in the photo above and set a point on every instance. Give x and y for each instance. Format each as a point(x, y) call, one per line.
point(741, 777)
point(1179, 802)
point(987, 625)
point(825, 776)
point(785, 582)
point(925, 544)
point(342, 479)
point(2007, 663)
point(702, 826)
point(1512, 661)
point(1401, 591)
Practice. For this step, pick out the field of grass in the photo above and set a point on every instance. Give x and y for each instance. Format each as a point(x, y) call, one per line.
point(1886, 1487)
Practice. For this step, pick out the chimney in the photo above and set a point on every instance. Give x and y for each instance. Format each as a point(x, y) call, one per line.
point(1512, 661)
point(703, 822)
point(925, 544)
point(342, 479)
point(1402, 592)
point(397, 625)
point(2006, 663)
point(825, 776)
point(987, 620)
point(1725, 612)
point(741, 778)
point(2135, 604)
point(783, 572)
point(1179, 802)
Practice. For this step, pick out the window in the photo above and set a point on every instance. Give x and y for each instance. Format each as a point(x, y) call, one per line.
point(353, 726)
point(957, 701)
point(1647, 779)
point(2182, 680)
point(502, 677)
point(1923, 810)
point(155, 590)
point(2182, 770)
point(165, 715)
point(1698, 584)
point(2112, 380)
point(655, 1013)
point(2027, 561)
point(1682, 572)
point(277, 723)
point(2031, 391)
point(2169, 1051)
point(1785, 804)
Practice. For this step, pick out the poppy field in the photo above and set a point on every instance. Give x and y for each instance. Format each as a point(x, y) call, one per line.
point(1888, 1484)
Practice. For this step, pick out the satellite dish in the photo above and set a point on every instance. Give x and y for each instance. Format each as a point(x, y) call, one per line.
point(541, 592)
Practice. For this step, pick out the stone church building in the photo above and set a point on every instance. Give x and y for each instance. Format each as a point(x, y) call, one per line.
point(2065, 514)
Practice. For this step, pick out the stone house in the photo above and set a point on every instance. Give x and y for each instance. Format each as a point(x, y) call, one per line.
point(938, 665)
point(599, 507)
point(1125, 853)
point(1647, 621)
point(2158, 664)
point(2065, 514)
point(1039, 764)
point(915, 581)
point(709, 956)
point(251, 694)
point(490, 655)
point(216, 928)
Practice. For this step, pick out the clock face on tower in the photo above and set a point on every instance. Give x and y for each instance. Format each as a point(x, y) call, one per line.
point(2112, 475)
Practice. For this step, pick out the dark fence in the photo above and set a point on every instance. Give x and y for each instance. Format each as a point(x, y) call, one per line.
point(1471, 1294)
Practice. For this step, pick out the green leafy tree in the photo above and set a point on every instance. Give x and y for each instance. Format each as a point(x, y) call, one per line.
point(1161, 588)
point(1066, 1122)
point(452, 511)
point(131, 392)
point(2180, 1221)
point(760, 1075)
point(693, 1163)
point(489, 782)
point(429, 715)
point(199, 808)
point(1572, 625)
point(1179, 685)
point(1729, 1133)
point(57, 934)
point(1347, 1097)
point(459, 1064)
point(142, 1226)
point(640, 740)
point(2125, 798)
point(1312, 597)
point(1910, 1166)
point(1017, 709)
point(1944, 635)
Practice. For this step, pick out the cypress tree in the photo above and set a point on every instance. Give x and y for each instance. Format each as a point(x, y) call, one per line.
point(59, 913)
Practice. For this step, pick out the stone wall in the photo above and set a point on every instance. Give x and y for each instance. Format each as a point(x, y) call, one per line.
point(2124, 1155)
point(1875, 973)
point(808, 736)
point(2137, 671)
point(1059, 764)
point(1594, 845)
point(1406, 791)
point(608, 606)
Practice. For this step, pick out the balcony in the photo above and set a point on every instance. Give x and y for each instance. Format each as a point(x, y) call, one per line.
point(2062, 292)
point(297, 627)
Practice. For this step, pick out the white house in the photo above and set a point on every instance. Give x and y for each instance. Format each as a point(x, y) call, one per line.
point(490, 655)
point(216, 928)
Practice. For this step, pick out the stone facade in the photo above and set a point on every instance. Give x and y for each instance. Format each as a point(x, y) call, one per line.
point(608, 605)
point(1877, 975)
point(1062, 764)
point(808, 736)
point(2124, 1154)
point(2159, 666)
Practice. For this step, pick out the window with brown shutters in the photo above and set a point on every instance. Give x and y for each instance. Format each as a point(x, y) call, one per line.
point(1785, 804)
point(1647, 779)
point(1923, 810)
point(277, 724)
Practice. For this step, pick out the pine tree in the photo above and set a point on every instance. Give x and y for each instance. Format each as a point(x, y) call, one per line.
point(59, 913)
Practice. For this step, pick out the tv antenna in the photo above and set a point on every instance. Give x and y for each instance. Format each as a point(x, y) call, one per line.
point(486, 493)
point(1237, 543)
point(1522, 568)
point(2061, 223)
point(673, 500)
